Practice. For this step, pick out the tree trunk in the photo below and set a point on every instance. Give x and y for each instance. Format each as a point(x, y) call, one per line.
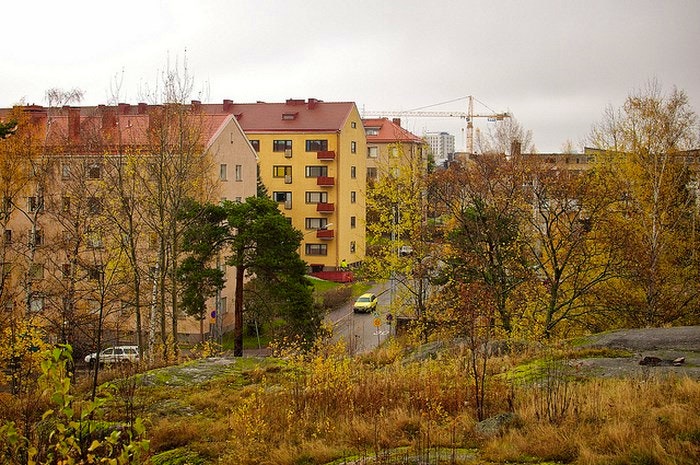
point(238, 314)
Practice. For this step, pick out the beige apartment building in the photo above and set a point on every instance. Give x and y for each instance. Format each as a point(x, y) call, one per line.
point(88, 193)
point(389, 145)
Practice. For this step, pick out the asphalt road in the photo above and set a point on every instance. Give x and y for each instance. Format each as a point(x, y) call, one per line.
point(358, 329)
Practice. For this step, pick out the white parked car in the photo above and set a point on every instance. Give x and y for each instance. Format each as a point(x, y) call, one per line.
point(116, 354)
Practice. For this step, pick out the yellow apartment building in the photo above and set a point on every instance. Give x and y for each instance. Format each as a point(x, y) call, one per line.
point(312, 160)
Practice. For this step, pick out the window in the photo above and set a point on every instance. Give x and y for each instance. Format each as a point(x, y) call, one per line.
point(239, 172)
point(316, 249)
point(36, 238)
point(94, 171)
point(65, 171)
point(316, 197)
point(285, 197)
point(35, 204)
point(94, 307)
point(353, 221)
point(6, 205)
point(352, 246)
point(281, 145)
point(94, 272)
point(372, 131)
point(353, 172)
point(316, 145)
point(223, 172)
point(94, 205)
point(36, 303)
point(353, 196)
point(393, 152)
point(65, 203)
point(372, 152)
point(281, 171)
point(353, 147)
point(316, 171)
point(353, 124)
point(371, 173)
point(8, 236)
point(222, 305)
point(316, 223)
point(36, 271)
point(94, 239)
point(66, 270)
point(256, 145)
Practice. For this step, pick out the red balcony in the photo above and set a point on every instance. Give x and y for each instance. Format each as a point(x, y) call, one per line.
point(325, 207)
point(326, 155)
point(326, 234)
point(325, 181)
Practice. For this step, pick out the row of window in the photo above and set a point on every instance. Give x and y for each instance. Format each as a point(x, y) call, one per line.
point(321, 223)
point(311, 145)
point(310, 197)
point(315, 171)
point(322, 249)
point(223, 172)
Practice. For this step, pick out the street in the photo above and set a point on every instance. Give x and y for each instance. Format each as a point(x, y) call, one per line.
point(358, 329)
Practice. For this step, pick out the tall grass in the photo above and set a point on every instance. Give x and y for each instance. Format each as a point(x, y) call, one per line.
point(330, 406)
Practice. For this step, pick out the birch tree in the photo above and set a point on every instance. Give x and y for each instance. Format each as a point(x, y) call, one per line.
point(641, 148)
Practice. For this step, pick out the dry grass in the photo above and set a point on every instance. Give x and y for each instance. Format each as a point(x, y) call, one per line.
point(318, 409)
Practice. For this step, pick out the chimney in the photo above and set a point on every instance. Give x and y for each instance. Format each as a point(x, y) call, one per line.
point(73, 123)
point(196, 106)
point(228, 104)
point(396, 121)
point(109, 117)
point(312, 103)
point(142, 108)
point(124, 108)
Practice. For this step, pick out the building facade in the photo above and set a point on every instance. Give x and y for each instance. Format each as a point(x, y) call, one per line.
point(442, 144)
point(389, 146)
point(312, 161)
point(86, 198)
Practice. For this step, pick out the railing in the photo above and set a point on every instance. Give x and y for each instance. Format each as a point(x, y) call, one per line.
point(325, 181)
point(326, 234)
point(325, 207)
point(326, 155)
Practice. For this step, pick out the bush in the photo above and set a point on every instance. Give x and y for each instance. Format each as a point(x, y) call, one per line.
point(336, 297)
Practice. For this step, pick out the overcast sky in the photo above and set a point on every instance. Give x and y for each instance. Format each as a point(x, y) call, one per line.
point(555, 65)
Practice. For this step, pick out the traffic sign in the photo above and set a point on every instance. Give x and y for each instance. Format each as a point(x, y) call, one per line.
point(377, 322)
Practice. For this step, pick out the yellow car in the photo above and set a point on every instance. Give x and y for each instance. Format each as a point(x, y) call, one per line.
point(365, 303)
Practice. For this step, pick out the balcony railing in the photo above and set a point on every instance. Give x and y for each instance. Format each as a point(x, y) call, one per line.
point(325, 207)
point(325, 181)
point(326, 234)
point(326, 155)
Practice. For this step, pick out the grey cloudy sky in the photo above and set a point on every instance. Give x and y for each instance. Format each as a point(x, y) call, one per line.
point(555, 64)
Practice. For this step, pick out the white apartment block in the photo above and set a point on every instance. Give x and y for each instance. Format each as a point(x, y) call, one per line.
point(441, 144)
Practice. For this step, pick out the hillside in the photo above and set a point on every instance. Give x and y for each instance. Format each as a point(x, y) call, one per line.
point(405, 409)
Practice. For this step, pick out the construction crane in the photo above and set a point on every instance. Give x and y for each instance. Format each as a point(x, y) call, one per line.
point(469, 115)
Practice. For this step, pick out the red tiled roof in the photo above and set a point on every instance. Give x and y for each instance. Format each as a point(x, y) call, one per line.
point(102, 122)
point(389, 131)
point(291, 116)
point(294, 115)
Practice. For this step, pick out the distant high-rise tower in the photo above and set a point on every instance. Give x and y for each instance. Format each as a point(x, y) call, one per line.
point(441, 144)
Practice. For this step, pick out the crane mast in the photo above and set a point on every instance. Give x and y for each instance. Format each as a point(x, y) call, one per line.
point(469, 115)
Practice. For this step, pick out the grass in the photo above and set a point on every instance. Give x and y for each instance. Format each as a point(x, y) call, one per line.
point(331, 408)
